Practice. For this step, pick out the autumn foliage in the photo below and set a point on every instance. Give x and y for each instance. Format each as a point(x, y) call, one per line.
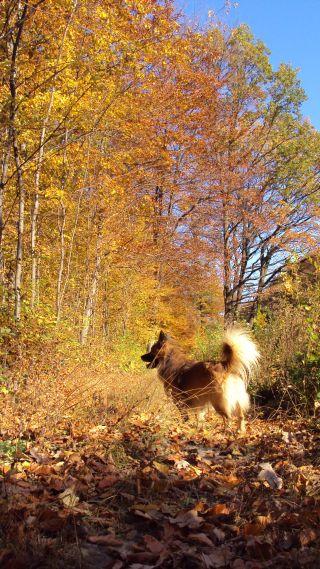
point(145, 167)
point(152, 175)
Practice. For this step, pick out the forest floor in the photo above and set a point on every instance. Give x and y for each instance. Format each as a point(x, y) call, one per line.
point(148, 490)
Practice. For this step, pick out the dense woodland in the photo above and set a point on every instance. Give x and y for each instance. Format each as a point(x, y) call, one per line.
point(153, 175)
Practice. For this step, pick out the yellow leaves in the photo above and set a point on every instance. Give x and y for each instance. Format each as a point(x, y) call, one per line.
point(55, 193)
point(128, 103)
point(102, 14)
point(163, 468)
point(288, 285)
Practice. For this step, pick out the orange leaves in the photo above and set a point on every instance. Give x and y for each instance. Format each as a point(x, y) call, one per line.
point(218, 509)
point(256, 528)
point(142, 506)
point(175, 144)
point(307, 536)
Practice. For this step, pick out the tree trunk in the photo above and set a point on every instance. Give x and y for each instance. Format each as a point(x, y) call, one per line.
point(36, 197)
point(228, 303)
point(240, 283)
point(20, 235)
point(264, 265)
point(92, 292)
point(63, 287)
point(3, 178)
point(61, 227)
point(14, 46)
point(105, 311)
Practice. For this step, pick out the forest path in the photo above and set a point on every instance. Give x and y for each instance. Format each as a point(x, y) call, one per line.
point(144, 494)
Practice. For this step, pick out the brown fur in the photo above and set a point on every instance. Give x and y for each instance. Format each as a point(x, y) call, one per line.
point(199, 385)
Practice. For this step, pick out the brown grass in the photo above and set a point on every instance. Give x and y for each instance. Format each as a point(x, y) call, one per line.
point(39, 398)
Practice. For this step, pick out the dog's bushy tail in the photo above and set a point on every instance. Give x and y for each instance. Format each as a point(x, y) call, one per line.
point(240, 353)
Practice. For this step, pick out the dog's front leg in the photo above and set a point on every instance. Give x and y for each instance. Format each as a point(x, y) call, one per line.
point(226, 423)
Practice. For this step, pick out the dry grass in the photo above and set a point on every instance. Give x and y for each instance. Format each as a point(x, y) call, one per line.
point(38, 398)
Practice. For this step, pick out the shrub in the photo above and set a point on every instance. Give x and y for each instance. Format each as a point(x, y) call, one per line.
point(288, 335)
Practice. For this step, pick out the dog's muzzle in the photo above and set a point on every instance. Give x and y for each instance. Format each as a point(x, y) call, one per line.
point(150, 359)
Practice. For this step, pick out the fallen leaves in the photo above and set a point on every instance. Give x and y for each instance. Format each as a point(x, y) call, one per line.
point(69, 498)
point(50, 521)
point(268, 474)
point(307, 536)
point(186, 502)
point(163, 468)
point(187, 518)
point(105, 540)
point(219, 558)
point(107, 481)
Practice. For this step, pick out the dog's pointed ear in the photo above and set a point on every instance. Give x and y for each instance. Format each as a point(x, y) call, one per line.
point(163, 337)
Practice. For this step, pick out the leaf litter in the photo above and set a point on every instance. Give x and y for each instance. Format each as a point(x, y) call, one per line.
point(142, 496)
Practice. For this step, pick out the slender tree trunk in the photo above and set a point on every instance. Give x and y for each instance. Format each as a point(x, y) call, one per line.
point(73, 235)
point(61, 227)
point(20, 236)
point(36, 197)
point(34, 230)
point(3, 178)
point(242, 272)
point(92, 292)
point(264, 264)
point(16, 153)
point(227, 296)
point(105, 311)
point(63, 287)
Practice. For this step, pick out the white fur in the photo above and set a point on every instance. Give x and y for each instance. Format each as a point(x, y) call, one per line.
point(245, 354)
point(235, 394)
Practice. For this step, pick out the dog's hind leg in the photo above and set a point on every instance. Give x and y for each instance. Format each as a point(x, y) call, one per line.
point(241, 420)
point(227, 424)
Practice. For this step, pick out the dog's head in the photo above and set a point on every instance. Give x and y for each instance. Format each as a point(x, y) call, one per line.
point(156, 352)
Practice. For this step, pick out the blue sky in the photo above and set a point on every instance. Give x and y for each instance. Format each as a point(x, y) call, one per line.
point(289, 28)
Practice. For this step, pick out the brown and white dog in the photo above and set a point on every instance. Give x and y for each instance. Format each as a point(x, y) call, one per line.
point(200, 385)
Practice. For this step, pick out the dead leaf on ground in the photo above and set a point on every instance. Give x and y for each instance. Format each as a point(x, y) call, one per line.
point(40, 457)
point(146, 507)
point(218, 510)
point(105, 540)
point(108, 481)
point(42, 469)
point(252, 529)
point(69, 498)
point(200, 538)
point(307, 536)
point(187, 518)
point(260, 548)
point(51, 521)
point(220, 557)
point(163, 468)
point(268, 474)
point(153, 544)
